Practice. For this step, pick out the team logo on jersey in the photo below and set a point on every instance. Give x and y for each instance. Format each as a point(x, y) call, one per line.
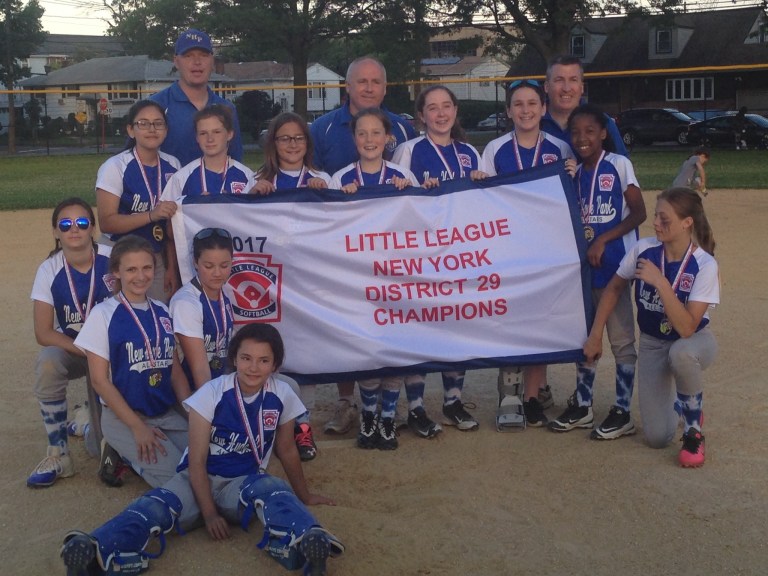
point(549, 158)
point(686, 282)
point(237, 187)
point(606, 182)
point(465, 160)
point(270, 419)
point(109, 281)
point(167, 326)
point(255, 286)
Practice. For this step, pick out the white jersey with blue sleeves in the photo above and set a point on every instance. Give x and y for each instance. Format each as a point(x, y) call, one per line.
point(697, 282)
point(349, 175)
point(238, 179)
point(611, 178)
point(230, 453)
point(52, 287)
point(293, 179)
point(195, 316)
point(499, 154)
point(426, 159)
point(111, 333)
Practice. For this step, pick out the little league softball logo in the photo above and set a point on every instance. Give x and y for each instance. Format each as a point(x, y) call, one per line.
point(256, 286)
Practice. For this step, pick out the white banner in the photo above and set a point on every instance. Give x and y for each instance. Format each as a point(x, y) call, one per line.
point(472, 274)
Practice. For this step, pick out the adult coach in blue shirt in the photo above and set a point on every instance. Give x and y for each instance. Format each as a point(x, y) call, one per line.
point(190, 93)
point(366, 85)
point(565, 87)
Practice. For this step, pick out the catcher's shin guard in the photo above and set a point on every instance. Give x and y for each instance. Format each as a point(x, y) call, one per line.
point(510, 415)
point(287, 522)
point(119, 546)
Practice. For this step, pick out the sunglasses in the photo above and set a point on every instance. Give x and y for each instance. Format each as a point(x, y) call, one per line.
point(208, 232)
point(65, 224)
point(527, 82)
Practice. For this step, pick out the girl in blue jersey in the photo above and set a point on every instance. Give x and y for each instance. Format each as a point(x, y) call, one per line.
point(288, 157)
point(235, 422)
point(676, 282)
point(372, 130)
point(526, 146)
point(128, 188)
point(202, 315)
point(69, 283)
point(130, 345)
point(441, 154)
point(612, 208)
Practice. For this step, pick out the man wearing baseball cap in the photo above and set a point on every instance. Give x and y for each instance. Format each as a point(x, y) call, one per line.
point(190, 93)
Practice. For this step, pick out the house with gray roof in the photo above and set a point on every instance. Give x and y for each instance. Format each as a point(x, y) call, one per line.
point(716, 59)
point(119, 80)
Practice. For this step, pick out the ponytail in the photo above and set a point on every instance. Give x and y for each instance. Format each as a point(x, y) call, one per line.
point(687, 203)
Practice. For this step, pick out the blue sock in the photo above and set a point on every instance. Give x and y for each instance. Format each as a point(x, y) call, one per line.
point(625, 384)
point(690, 408)
point(585, 380)
point(55, 421)
point(414, 392)
point(370, 399)
point(453, 383)
point(389, 402)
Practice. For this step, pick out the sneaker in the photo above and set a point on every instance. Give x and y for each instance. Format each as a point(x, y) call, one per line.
point(534, 413)
point(305, 442)
point(455, 415)
point(545, 397)
point(387, 434)
point(617, 424)
point(573, 417)
point(79, 553)
point(421, 424)
point(81, 421)
point(343, 419)
point(54, 466)
point(692, 453)
point(112, 469)
point(315, 546)
point(368, 437)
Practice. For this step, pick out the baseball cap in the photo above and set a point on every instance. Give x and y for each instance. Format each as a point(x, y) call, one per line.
point(193, 38)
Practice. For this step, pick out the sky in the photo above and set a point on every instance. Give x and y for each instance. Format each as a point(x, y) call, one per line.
point(85, 17)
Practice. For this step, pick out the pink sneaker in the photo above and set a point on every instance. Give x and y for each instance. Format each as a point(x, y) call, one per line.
point(692, 453)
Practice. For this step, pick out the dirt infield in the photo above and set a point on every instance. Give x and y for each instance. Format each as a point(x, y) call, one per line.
point(480, 503)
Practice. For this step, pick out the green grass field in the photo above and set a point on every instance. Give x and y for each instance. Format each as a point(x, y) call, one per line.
point(42, 181)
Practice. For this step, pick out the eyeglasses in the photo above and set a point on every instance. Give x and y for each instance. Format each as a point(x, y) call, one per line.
point(284, 140)
point(65, 224)
point(146, 124)
point(208, 232)
point(526, 82)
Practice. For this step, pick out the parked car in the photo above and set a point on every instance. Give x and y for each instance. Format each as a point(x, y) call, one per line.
point(497, 121)
point(720, 131)
point(647, 125)
point(408, 118)
point(699, 115)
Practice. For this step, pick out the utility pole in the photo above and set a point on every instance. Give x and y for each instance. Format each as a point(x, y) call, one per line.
point(9, 80)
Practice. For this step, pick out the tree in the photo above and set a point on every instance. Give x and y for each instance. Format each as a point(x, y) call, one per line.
point(150, 26)
point(254, 109)
point(546, 25)
point(21, 33)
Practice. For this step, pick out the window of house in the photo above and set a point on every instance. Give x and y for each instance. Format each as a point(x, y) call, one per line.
point(690, 89)
point(316, 90)
point(663, 41)
point(70, 91)
point(443, 48)
point(124, 91)
point(577, 45)
point(763, 33)
point(484, 81)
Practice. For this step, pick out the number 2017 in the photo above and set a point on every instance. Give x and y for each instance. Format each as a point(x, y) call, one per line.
point(249, 243)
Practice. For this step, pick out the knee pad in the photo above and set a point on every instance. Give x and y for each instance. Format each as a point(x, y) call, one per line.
point(284, 517)
point(123, 540)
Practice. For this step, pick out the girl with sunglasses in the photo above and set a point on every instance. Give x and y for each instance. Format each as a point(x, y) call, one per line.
point(128, 188)
point(441, 154)
point(288, 157)
point(202, 315)
point(131, 350)
point(524, 147)
point(69, 283)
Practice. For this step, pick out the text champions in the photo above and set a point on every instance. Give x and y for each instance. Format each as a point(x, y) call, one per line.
point(474, 268)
